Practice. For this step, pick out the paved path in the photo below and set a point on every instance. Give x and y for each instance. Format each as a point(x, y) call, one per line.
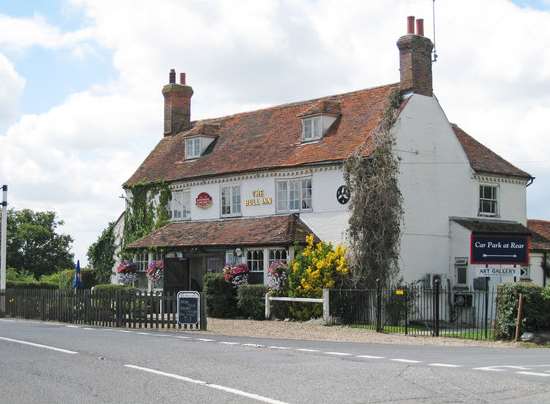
point(46, 363)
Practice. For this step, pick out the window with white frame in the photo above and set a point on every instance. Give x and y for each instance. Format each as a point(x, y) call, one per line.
point(255, 260)
point(312, 128)
point(294, 195)
point(277, 254)
point(142, 261)
point(488, 200)
point(180, 205)
point(231, 200)
point(193, 148)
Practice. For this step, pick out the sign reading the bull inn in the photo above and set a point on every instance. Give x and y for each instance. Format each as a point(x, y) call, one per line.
point(499, 249)
point(203, 200)
point(258, 198)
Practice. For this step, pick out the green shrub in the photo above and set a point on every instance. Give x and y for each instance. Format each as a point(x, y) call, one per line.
point(221, 298)
point(88, 278)
point(13, 274)
point(536, 309)
point(109, 288)
point(251, 301)
point(63, 279)
point(30, 285)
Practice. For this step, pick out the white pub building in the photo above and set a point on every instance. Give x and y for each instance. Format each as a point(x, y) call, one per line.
point(250, 186)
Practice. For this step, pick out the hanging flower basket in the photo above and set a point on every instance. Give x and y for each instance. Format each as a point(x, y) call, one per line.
point(237, 275)
point(155, 270)
point(277, 276)
point(126, 272)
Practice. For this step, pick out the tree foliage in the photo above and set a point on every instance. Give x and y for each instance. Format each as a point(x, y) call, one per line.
point(101, 254)
point(34, 244)
point(374, 232)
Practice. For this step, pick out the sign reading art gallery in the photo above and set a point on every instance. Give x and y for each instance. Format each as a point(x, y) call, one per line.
point(499, 249)
point(258, 198)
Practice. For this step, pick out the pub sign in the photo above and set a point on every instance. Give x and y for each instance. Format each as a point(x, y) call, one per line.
point(499, 249)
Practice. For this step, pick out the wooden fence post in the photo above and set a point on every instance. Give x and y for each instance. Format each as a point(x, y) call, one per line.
point(519, 317)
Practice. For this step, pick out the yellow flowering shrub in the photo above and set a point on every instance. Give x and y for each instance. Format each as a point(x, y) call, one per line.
point(317, 266)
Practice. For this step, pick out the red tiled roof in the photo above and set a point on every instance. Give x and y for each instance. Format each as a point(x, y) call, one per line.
point(484, 160)
point(269, 138)
point(272, 230)
point(541, 234)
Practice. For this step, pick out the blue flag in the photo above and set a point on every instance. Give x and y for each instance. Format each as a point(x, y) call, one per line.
point(77, 282)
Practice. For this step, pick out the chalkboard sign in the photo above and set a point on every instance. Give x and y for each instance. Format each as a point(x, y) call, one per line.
point(188, 306)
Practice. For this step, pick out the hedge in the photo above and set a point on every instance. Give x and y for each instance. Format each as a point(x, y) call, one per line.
point(251, 301)
point(112, 288)
point(536, 309)
point(30, 285)
point(221, 298)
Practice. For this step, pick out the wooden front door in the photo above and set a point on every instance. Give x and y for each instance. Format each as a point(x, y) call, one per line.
point(176, 275)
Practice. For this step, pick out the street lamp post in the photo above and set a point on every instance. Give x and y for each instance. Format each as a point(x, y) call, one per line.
point(3, 238)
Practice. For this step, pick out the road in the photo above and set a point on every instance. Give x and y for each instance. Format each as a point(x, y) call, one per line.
point(56, 363)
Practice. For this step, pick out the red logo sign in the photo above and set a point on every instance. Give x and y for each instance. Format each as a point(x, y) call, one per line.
point(204, 200)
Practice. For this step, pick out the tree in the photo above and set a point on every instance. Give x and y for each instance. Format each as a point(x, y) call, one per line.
point(101, 254)
point(374, 231)
point(34, 244)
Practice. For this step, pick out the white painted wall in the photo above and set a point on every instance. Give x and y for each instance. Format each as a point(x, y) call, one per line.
point(436, 182)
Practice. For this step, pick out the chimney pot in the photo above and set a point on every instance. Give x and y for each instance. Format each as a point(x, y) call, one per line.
point(182, 79)
point(420, 27)
point(172, 77)
point(410, 25)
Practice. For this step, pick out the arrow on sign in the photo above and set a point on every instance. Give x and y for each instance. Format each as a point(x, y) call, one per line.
point(500, 256)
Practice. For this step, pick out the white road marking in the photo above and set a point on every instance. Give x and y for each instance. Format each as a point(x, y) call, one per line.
point(231, 390)
point(204, 339)
point(88, 328)
point(143, 333)
point(405, 360)
point(182, 337)
point(71, 326)
point(52, 348)
point(500, 368)
point(254, 345)
point(534, 374)
point(279, 347)
point(444, 365)
point(337, 353)
point(307, 350)
point(125, 331)
point(228, 343)
point(370, 357)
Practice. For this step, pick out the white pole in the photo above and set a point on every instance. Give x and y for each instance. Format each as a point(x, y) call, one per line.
point(3, 238)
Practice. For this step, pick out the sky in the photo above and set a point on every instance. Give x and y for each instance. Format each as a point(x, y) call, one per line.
point(80, 81)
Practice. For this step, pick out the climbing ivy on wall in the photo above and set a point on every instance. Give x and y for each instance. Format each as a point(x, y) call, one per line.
point(374, 231)
point(146, 210)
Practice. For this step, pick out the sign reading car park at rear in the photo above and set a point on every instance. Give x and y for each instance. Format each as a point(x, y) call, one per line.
point(499, 249)
point(188, 308)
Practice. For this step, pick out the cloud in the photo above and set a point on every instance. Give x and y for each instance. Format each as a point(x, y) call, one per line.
point(20, 33)
point(10, 91)
point(492, 78)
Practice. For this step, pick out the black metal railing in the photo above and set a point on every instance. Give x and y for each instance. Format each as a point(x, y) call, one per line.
point(417, 310)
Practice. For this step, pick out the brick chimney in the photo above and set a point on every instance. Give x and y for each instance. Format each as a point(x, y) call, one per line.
point(415, 59)
point(177, 105)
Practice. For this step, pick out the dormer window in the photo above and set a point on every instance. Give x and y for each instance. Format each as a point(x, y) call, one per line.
point(193, 148)
point(312, 128)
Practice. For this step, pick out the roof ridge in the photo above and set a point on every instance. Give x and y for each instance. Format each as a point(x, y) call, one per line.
point(292, 104)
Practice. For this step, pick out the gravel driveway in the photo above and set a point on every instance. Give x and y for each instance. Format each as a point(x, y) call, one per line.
point(315, 330)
